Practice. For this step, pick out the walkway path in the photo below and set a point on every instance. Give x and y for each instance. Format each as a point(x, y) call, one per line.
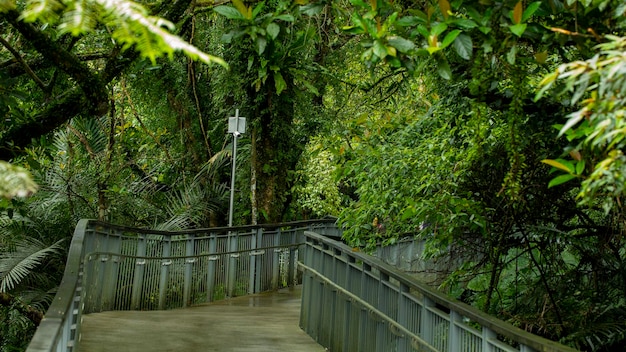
point(259, 323)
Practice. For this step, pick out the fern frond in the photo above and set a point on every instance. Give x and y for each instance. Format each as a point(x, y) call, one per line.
point(42, 10)
point(150, 34)
point(17, 265)
point(15, 181)
point(79, 18)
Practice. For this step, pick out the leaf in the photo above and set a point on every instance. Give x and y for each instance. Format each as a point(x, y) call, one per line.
point(530, 10)
point(465, 23)
point(450, 37)
point(229, 12)
point(463, 46)
point(286, 18)
point(444, 6)
point(438, 28)
point(443, 68)
point(518, 11)
point(560, 180)
point(580, 167)
point(402, 44)
point(379, 49)
point(409, 21)
point(279, 82)
point(261, 43)
point(541, 57)
point(518, 29)
point(273, 30)
point(560, 164)
point(574, 118)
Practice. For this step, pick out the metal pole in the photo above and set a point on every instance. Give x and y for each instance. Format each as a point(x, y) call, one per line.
point(232, 178)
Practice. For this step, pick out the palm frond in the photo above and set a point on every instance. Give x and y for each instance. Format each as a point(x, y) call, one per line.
point(20, 263)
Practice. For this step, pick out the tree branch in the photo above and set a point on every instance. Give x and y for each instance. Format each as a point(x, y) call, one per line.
point(24, 65)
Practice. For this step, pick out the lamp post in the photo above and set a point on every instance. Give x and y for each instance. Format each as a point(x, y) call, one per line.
point(236, 126)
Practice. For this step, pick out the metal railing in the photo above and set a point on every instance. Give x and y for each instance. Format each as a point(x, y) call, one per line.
point(354, 302)
point(112, 267)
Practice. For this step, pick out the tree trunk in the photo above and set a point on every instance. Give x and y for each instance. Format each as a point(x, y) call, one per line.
point(274, 153)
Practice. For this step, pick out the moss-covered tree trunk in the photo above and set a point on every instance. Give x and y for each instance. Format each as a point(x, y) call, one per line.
point(274, 153)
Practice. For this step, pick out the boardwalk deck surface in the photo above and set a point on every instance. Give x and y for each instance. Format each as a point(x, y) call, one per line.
point(266, 322)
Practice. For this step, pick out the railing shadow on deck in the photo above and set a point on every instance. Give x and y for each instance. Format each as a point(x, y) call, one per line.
point(111, 267)
point(352, 301)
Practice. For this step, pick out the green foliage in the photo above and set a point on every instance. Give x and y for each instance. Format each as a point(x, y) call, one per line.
point(129, 22)
point(15, 181)
point(598, 127)
point(315, 191)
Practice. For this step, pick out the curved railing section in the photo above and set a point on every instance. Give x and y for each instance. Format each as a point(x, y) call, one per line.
point(355, 302)
point(113, 267)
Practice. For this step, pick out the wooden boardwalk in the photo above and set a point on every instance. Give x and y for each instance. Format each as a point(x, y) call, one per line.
point(265, 322)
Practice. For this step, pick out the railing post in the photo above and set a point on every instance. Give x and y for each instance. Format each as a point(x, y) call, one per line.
point(187, 284)
point(291, 269)
point(139, 271)
point(232, 263)
point(109, 285)
point(454, 336)
point(403, 318)
point(252, 288)
point(426, 320)
point(165, 267)
point(487, 335)
point(210, 280)
point(276, 260)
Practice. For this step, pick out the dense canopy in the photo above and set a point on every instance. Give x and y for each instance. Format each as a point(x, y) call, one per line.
point(493, 129)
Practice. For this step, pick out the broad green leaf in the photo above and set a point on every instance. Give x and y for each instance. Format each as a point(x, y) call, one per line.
point(560, 180)
point(279, 82)
point(409, 21)
point(229, 12)
point(580, 167)
point(443, 68)
point(518, 29)
point(261, 43)
point(450, 37)
point(463, 46)
point(379, 49)
point(561, 164)
point(530, 10)
point(273, 30)
point(438, 28)
point(465, 23)
point(403, 45)
point(286, 18)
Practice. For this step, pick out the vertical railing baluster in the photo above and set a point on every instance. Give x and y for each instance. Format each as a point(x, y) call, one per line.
point(252, 259)
point(488, 335)
point(426, 320)
point(165, 270)
point(291, 269)
point(233, 241)
point(189, 262)
point(454, 332)
point(211, 267)
point(276, 260)
point(138, 273)
point(403, 316)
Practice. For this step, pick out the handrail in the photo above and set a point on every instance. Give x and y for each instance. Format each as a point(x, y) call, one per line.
point(220, 229)
point(90, 281)
point(47, 338)
point(326, 260)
